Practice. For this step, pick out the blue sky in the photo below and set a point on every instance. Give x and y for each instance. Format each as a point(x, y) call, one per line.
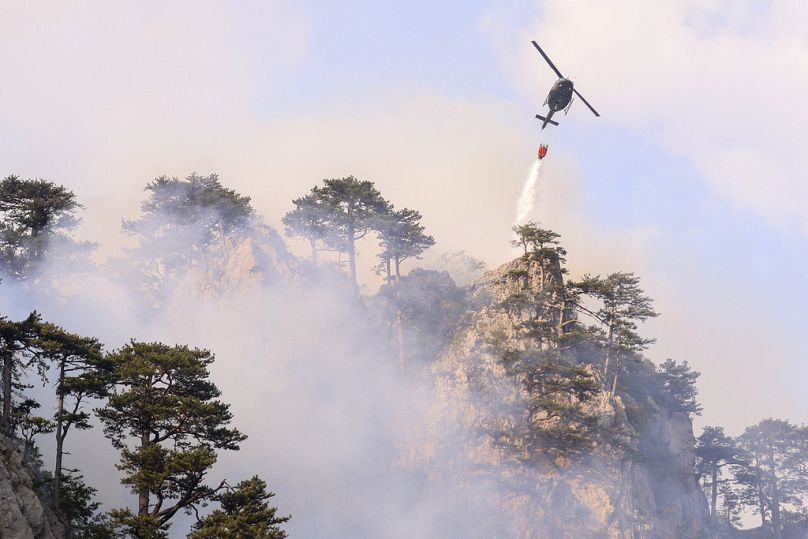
point(366, 49)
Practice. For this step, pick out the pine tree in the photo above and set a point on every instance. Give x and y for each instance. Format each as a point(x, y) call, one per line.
point(245, 514)
point(308, 220)
point(164, 400)
point(531, 237)
point(556, 388)
point(714, 451)
point(353, 206)
point(679, 386)
point(774, 475)
point(82, 373)
point(34, 216)
point(401, 236)
point(181, 221)
point(29, 425)
point(81, 510)
point(623, 305)
point(18, 353)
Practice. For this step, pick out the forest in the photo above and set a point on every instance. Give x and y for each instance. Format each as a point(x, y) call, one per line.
point(569, 344)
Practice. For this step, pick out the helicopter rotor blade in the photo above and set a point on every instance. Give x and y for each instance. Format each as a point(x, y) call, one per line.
point(586, 103)
point(547, 59)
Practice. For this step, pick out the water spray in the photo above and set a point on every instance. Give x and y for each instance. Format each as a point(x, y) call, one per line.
point(527, 200)
point(526, 205)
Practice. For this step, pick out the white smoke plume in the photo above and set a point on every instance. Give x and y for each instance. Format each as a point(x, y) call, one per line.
point(526, 204)
point(312, 379)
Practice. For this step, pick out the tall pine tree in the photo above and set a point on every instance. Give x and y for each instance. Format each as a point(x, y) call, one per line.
point(18, 352)
point(308, 220)
point(714, 452)
point(164, 402)
point(622, 305)
point(353, 205)
point(82, 373)
point(401, 236)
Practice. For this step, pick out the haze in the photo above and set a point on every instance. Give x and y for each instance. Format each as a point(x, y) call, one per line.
point(694, 176)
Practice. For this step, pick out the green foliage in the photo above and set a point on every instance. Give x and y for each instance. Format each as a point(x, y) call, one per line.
point(82, 373)
point(772, 476)
point(34, 216)
point(164, 400)
point(352, 208)
point(729, 514)
point(124, 523)
point(29, 425)
point(18, 353)
point(80, 508)
point(715, 451)
point(679, 386)
point(310, 220)
point(556, 390)
point(622, 305)
point(181, 220)
point(196, 200)
point(401, 236)
point(532, 238)
point(244, 514)
point(169, 474)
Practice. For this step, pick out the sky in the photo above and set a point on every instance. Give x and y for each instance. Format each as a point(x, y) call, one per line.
point(694, 176)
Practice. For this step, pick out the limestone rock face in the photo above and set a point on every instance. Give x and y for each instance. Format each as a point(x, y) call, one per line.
point(241, 264)
point(23, 513)
point(640, 488)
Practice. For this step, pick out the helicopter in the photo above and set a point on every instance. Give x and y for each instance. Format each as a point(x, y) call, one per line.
point(560, 96)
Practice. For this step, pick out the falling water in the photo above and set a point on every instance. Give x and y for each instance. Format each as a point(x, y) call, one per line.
point(527, 200)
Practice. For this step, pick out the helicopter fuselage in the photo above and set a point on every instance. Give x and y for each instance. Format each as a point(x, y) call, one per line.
point(560, 95)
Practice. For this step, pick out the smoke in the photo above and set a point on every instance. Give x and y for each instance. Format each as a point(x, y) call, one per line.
point(356, 438)
point(526, 204)
point(335, 425)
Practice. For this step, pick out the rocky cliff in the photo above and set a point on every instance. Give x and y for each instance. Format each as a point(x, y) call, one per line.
point(23, 513)
point(633, 479)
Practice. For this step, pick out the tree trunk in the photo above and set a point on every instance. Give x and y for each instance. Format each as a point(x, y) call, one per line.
point(352, 247)
point(761, 506)
point(57, 470)
point(616, 372)
point(777, 524)
point(400, 339)
point(8, 365)
point(398, 269)
point(606, 362)
point(143, 494)
point(387, 267)
point(713, 490)
point(313, 244)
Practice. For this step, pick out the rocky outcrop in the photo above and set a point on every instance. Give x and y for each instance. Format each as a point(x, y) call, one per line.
point(23, 513)
point(638, 485)
point(242, 263)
